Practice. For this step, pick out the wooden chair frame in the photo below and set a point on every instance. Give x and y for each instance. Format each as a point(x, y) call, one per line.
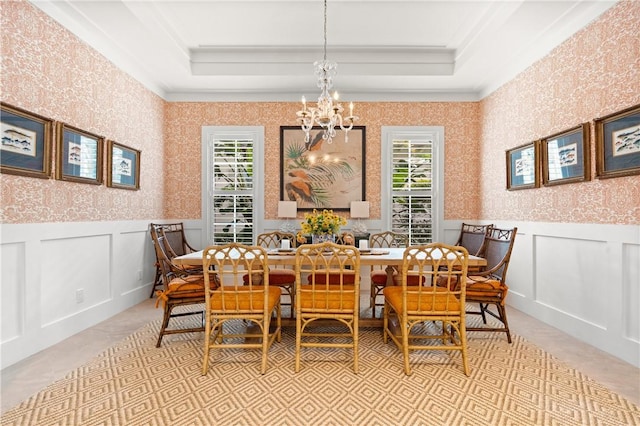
point(252, 302)
point(383, 240)
point(472, 237)
point(408, 307)
point(273, 240)
point(176, 245)
point(180, 288)
point(488, 286)
point(331, 291)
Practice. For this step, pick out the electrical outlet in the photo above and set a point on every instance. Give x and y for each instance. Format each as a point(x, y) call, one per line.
point(139, 275)
point(80, 295)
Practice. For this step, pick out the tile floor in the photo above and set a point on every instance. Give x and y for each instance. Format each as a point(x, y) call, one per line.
point(27, 377)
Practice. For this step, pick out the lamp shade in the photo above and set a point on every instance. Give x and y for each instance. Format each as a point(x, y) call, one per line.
point(359, 209)
point(287, 209)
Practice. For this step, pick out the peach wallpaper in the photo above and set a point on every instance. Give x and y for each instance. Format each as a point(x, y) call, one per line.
point(183, 147)
point(593, 74)
point(47, 70)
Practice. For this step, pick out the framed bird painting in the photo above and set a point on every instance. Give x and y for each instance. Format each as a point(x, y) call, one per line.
point(319, 174)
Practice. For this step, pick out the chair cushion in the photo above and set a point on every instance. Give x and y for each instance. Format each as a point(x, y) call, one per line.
point(411, 280)
point(334, 278)
point(324, 300)
point(191, 286)
point(379, 277)
point(244, 300)
point(394, 296)
point(484, 289)
point(280, 277)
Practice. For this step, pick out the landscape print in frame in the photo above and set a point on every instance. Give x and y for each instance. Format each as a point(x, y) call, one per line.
point(26, 143)
point(522, 167)
point(79, 156)
point(319, 174)
point(618, 143)
point(565, 156)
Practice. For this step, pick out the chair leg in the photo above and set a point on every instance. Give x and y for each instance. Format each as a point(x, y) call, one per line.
point(298, 342)
point(207, 346)
point(157, 280)
point(405, 348)
point(463, 342)
point(165, 322)
point(483, 312)
point(503, 317)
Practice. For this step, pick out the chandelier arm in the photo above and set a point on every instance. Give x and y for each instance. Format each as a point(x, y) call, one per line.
point(327, 114)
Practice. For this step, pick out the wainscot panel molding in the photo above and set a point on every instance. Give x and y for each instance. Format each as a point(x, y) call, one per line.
point(580, 278)
point(61, 278)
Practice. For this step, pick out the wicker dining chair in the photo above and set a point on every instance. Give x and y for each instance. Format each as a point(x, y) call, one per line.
point(282, 276)
point(180, 288)
point(488, 286)
point(414, 313)
point(176, 245)
point(332, 292)
point(239, 305)
point(378, 274)
point(472, 237)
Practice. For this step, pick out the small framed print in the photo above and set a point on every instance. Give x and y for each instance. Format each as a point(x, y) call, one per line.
point(522, 167)
point(618, 144)
point(26, 143)
point(565, 156)
point(123, 166)
point(79, 156)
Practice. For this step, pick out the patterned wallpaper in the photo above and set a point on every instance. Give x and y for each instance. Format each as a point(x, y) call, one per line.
point(45, 69)
point(183, 148)
point(594, 73)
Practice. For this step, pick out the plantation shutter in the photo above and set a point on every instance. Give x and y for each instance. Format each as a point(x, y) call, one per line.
point(232, 199)
point(411, 189)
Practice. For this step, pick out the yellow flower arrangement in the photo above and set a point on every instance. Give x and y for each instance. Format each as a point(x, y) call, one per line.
point(325, 222)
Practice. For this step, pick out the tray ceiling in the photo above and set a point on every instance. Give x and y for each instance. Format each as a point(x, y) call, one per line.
point(264, 50)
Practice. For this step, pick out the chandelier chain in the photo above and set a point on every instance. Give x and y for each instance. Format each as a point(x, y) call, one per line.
point(325, 30)
point(327, 114)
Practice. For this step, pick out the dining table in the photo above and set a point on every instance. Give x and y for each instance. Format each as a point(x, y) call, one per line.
point(390, 258)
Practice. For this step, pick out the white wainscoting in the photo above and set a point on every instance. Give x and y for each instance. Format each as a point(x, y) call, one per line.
point(61, 278)
point(583, 279)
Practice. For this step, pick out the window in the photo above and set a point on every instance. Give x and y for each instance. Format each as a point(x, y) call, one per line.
point(232, 159)
point(412, 181)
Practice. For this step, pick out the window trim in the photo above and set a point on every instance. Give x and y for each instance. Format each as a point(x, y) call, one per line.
point(436, 133)
point(255, 133)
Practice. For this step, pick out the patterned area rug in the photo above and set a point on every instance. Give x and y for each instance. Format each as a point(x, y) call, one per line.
point(134, 383)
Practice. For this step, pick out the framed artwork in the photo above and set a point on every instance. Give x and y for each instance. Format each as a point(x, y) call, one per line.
point(79, 156)
point(321, 175)
point(123, 166)
point(565, 156)
point(618, 143)
point(522, 167)
point(26, 143)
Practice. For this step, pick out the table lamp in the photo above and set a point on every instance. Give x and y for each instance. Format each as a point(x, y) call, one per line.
point(287, 210)
point(359, 210)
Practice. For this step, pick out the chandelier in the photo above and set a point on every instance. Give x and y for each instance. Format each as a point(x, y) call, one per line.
point(326, 114)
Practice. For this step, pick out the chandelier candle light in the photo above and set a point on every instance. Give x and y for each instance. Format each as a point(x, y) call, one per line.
point(327, 114)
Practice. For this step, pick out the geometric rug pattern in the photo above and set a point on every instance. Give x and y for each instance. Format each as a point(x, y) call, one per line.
point(135, 383)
